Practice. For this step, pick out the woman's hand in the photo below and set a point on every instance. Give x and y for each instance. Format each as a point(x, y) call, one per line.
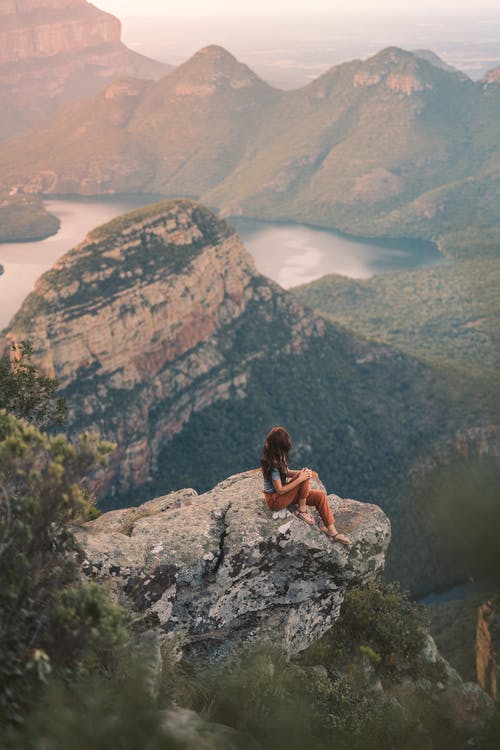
point(305, 474)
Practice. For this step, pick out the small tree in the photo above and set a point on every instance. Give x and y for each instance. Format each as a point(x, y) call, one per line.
point(27, 394)
point(42, 491)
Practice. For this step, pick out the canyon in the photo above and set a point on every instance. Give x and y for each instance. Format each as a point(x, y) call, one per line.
point(166, 340)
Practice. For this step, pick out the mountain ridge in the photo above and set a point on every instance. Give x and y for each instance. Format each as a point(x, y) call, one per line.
point(391, 146)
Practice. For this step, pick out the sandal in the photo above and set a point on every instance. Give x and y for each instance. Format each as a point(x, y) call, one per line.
point(303, 515)
point(339, 537)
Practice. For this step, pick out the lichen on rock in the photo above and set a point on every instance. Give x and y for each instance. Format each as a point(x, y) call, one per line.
point(219, 569)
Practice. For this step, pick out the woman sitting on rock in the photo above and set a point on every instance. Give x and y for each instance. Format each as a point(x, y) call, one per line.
point(284, 486)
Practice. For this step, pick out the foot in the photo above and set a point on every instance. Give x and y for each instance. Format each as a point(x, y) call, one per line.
point(336, 536)
point(305, 516)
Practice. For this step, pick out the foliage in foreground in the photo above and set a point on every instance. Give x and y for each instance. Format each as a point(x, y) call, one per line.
point(256, 699)
point(381, 620)
point(42, 491)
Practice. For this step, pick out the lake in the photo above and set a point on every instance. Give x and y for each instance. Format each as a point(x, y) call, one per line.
point(290, 254)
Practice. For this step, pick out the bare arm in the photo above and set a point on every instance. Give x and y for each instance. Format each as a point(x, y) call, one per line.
point(300, 476)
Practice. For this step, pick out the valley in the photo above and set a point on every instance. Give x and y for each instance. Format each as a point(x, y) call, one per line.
point(163, 310)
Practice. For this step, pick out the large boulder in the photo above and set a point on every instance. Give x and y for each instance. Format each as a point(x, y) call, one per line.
point(222, 570)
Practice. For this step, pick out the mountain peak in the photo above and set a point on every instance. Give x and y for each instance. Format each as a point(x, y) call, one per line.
point(216, 53)
point(392, 56)
point(405, 73)
point(214, 67)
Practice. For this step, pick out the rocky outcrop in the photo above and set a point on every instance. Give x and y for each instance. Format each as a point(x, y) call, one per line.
point(218, 573)
point(53, 52)
point(488, 647)
point(222, 570)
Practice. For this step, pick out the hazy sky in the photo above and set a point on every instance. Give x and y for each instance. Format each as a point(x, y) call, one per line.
point(163, 8)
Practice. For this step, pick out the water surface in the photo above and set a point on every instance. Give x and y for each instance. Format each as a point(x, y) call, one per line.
point(290, 254)
point(293, 254)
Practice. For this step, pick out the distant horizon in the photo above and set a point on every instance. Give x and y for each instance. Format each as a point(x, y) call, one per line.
point(224, 8)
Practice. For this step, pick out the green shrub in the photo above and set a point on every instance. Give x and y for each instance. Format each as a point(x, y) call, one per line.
point(86, 629)
point(25, 393)
point(379, 620)
point(93, 713)
point(42, 491)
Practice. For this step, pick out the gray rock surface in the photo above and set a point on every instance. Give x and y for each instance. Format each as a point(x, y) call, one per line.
point(219, 569)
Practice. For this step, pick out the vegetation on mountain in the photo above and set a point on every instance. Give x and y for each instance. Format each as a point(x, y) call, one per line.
point(380, 619)
point(445, 314)
point(395, 145)
point(24, 218)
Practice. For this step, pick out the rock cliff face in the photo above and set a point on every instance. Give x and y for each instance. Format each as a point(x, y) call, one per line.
point(32, 29)
point(137, 321)
point(166, 339)
point(488, 647)
point(53, 52)
point(492, 77)
point(224, 571)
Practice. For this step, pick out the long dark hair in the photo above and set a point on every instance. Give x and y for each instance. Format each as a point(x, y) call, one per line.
point(275, 452)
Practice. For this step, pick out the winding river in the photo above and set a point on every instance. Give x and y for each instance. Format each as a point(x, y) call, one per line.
point(290, 254)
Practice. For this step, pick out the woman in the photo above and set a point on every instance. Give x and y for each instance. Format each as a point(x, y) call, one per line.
point(284, 486)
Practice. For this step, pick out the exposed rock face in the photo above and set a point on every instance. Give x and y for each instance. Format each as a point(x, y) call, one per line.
point(37, 29)
point(488, 647)
point(167, 341)
point(137, 324)
point(53, 52)
point(225, 570)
